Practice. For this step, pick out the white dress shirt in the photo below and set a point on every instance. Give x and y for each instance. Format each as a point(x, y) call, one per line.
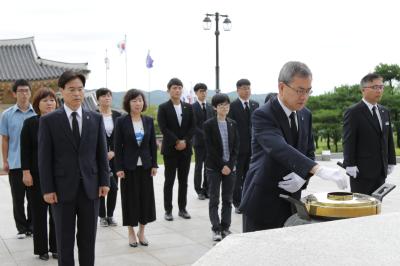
point(288, 112)
point(69, 111)
point(369, 105)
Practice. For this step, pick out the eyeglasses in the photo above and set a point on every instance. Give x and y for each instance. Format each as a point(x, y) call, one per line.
point(301, 92)
point(376, 87)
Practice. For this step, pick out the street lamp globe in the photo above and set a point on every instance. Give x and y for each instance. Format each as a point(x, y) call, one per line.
point(207, 23)
point(227, 24)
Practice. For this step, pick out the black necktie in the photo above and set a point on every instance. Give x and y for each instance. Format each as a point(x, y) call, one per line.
point(204, 111)
point(293, 129)
point(375, 118)
point(75, 128)
point(247, 110)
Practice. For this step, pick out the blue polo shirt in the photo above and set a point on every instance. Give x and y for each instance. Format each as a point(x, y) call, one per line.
point(11, 123)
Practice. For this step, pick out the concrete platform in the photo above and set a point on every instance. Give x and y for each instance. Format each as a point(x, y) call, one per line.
point(181, 242)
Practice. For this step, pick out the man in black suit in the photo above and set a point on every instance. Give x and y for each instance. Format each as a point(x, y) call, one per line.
point(176, 122)
point(74, 170)
point(202, 111)
point(240, 111)
point(368, 147)
point(283, 153)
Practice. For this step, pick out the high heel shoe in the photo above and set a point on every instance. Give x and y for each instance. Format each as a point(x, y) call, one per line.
point(133, 244)
point(144, 242)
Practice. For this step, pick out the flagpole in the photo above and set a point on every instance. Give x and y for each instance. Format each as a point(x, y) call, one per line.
point(126, 67)
point(149, 85)
point(107, 67)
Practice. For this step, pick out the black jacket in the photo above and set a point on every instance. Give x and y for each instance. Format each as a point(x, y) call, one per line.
point(127, 150)
point(237, 113)
point(214, 144)
point(169, 126)
point(365, 145)
point(198, 138)
point(29, 144)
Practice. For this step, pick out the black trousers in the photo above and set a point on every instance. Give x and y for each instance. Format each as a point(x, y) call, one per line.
point(200, 172)
point(242, 166)
point(180, 163)
point(42, 241)
point(225, 184)
point(111, 199)
point(18, 193)
point(83, 213)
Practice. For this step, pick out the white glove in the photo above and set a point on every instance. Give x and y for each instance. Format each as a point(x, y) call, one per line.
point(334, 175)
point(390, 169)
point(291, 182)
point(352, 171)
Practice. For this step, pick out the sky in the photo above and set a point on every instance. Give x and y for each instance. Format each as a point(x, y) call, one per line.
point(341, 40)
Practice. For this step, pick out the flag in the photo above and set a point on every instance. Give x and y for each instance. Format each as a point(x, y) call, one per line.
point(149, 60)
point(122, 46)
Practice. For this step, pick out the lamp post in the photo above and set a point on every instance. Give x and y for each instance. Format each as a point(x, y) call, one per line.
point(227, 25)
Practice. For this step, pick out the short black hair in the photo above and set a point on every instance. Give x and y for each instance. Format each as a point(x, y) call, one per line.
point(41, 94)
point(220, 98)
point(200, 86)
point(69, 75)
point(20, 82)
point(369, 78)
point(242, 82)
point(174, 81)
point(130, 95)
point(101, 92)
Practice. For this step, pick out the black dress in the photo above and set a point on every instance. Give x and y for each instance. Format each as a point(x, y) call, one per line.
point(137, 191)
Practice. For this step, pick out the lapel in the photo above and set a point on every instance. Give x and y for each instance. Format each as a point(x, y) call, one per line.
point(218, 135)
point(66, 126)
point(130, 129)
point(384, 119)
point(230, 133)
point(282, 120)
point(301, 128)
point(209, 110)
point(368, 115)
point(145, 127)
point(253, 106)
point(85, 125)
point(173, 113)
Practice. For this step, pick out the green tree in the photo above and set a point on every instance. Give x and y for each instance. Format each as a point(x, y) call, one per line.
point(388, 72)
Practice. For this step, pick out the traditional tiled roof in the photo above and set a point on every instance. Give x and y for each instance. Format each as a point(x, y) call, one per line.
point(20, 60)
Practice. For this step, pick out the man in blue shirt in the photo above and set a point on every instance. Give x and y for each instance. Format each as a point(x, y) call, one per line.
point(11, 124)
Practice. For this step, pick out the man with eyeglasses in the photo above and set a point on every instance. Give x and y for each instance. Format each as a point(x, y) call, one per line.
point(282, 161)
point(368, 146)
point(11, 124)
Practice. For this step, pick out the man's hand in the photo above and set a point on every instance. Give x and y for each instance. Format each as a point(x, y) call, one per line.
point(153, 172)
point(50, 198)
point(291, 182)
point(332, 174)
point(110, 155)
point(27, 178)
point(180, 145)
point(121, 174)
point(390, 169)
point(226, 170)
point(6, 167)
point(352, 171)
point(103, 191)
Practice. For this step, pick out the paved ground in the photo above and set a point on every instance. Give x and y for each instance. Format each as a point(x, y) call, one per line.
point(180, 242)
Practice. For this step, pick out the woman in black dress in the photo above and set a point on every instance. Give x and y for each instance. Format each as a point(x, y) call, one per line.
point(136, 164)
point(107, 206)
point(44, 101)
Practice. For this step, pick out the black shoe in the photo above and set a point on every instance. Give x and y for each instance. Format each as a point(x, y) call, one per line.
point(225, 233)
point(144, 242)
point(55, 256)
point(184, 214)
point(237, 210)
point(201, 196)
point(133, 244)
point(216, 236)
point(111, 221)
point(28, 233)
point(44, 256)
point(207, 196)
point(168, 216)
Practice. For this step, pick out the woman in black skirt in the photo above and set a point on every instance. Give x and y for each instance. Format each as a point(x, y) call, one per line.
point(136, 163)
point(44, 101)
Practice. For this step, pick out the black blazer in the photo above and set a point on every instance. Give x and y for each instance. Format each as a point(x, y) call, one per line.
point(274, 157)
point(198, 137)
point(214, 147)
point(62, 163)
point(169, 126)
point(237, 113)
point(127, 150)
point(365, 145)
point(110, 139)
point(29, 144)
